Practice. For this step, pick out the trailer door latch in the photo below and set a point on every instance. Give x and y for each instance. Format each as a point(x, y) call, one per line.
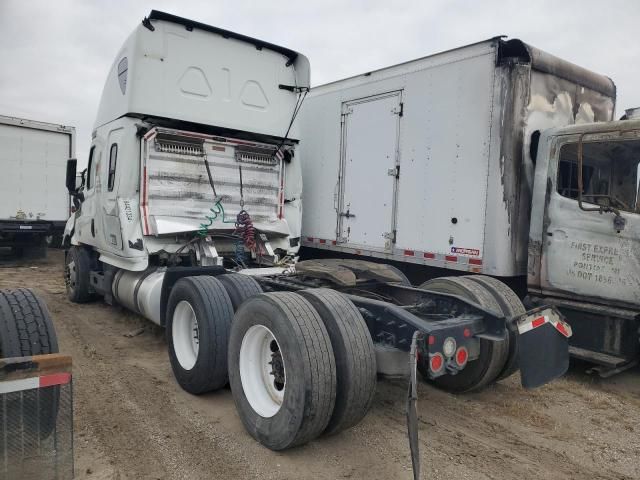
point(347, 214)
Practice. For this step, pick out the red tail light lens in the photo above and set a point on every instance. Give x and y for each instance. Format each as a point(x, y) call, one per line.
point(462, 355)
point(436, 362)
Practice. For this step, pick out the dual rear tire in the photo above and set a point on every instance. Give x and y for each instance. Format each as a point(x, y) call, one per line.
point(199, 315)
point(299, 365)
point(496, 360)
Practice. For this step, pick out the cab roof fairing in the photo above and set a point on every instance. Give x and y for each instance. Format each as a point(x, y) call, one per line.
point(145, 49)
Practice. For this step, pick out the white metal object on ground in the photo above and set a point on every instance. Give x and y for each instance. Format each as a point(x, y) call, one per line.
point(256, 365)
point(185, 335)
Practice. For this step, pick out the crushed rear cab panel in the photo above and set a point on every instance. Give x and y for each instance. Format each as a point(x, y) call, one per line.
point(175, 188)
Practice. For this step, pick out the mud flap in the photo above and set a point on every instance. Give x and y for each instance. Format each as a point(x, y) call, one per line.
point(543, 346)
point(412, 412)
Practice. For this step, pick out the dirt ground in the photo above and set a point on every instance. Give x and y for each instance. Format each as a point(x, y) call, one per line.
point(132, 420)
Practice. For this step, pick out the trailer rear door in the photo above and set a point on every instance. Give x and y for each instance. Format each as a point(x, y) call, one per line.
point(369, 171)
point(33, 162)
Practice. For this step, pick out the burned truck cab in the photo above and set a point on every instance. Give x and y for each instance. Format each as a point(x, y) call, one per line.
point(584, 245)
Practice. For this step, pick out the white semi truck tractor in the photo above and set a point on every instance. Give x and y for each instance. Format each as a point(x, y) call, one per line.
point(494, 164)
point(190, 214)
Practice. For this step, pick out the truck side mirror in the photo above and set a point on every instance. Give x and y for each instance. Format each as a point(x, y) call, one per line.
point(72, 165)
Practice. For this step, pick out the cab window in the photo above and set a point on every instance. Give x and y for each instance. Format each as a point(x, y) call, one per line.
point(609, 173)
point(113, 158)
point(90, 169)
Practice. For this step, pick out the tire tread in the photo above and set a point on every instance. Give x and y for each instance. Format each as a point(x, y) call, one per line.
point(320, 355)
point(26, 328)
point(217, 305)
point(239, 287)
point(510, 306)
point(355, 357)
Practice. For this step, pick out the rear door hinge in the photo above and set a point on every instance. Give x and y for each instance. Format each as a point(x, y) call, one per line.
point(394, 172)
point(399, 110)
point(346, 109)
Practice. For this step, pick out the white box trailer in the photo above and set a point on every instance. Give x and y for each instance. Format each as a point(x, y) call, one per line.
point(429, 161)
point(33, 201)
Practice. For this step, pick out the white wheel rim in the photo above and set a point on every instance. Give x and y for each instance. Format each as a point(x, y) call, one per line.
point(184, 331)
point(262, 371)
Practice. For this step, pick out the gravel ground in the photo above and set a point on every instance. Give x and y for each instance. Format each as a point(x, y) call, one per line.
point(132, 421)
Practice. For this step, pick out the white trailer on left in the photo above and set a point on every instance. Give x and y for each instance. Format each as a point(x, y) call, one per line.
point(34, 205)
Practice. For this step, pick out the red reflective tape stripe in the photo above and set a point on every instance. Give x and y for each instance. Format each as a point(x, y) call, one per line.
point(333, 242)
point(430, 256)
point(475, 261)
point(309, 239)
point(144, 199)
point(322, 241)
point(451, 258)
point(281, 206)
point(537, 322)
point(55, 379)
point(409, 253)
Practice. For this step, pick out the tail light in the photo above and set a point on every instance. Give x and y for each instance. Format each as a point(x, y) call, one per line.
point(436, 362)
point(462, 356)
point(449, 347)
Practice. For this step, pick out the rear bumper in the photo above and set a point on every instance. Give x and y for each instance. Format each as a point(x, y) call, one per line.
point(26, 227)
point(20, 233)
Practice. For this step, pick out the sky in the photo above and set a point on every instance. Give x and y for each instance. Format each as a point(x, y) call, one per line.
point(55, 55)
